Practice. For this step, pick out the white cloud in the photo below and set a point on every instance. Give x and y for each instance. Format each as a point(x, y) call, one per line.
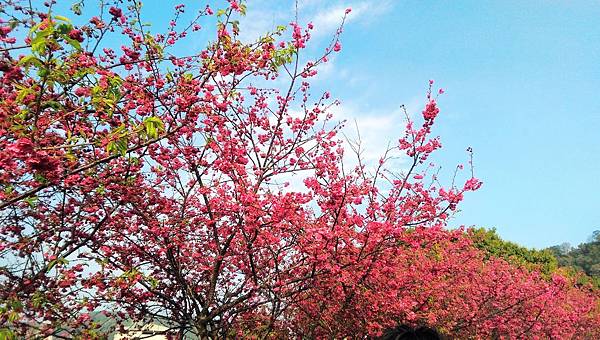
point(327, 16)
point(329, 19)
point(376, 129)
point(262, 18)
point(266, 15)
point(324, 71)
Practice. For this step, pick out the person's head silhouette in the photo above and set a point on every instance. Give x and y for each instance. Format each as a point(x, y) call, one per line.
point(405, 332)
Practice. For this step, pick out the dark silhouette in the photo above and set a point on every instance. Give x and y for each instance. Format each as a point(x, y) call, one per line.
point(405, 332)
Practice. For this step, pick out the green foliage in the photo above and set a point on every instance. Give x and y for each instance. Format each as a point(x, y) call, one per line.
point(38, 299)
point(106, 98)
point(7, 334)
point(153, 126)
point(77, 7)
point(10, 311)
point(119, 141)
point(61, 261)
point(584, 258)
point(284, 56)
point(50, 32)
point(489, 241)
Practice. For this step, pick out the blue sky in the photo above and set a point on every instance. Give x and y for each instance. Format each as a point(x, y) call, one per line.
point(521, 81)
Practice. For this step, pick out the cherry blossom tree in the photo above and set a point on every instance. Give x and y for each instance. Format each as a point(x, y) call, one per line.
point(141, 184)
point(436, 277)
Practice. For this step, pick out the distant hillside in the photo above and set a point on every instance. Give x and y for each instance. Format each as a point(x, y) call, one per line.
point(585, 257)
point(490, 242)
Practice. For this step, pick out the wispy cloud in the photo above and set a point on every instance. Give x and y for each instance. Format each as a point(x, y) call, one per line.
point(262, 17)
point(376, 129)
point(326, 16)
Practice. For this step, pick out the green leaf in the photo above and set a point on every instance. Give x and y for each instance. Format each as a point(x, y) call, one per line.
point(53, 104)
point(9, 190)
point(38, 45)
point(60, 17)
point(117, 147)
point(76, 8)
point(31, 201)
point(39, 178)
point(73, 43)
point(153, 282)
point(23, 92)
point(61, 261)
point(7, 334)
point(16, 304)
point(35, 27)
point(30, 59)
point(64, 29)
point(153, 126)
point(12, 23)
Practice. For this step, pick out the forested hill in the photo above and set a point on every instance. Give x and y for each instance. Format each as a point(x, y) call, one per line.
point(490, 242)
point(584, 257)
